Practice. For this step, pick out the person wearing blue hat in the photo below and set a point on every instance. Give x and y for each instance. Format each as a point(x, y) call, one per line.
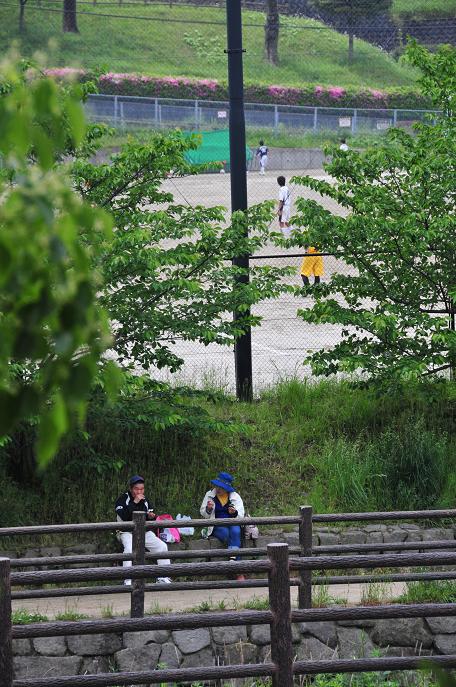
point(223, 501)
point(135, 500)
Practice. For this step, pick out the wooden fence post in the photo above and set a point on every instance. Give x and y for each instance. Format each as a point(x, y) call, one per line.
point(279, 601)
point(6, 646)
point(305, 542)
point(139, 549)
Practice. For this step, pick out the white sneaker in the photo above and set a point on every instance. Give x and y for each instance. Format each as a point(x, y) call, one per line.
point(164, 580)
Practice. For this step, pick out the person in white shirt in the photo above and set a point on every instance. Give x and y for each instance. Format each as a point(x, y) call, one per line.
point(343, 145)
point(129, 502)
point(262, 155)
point(284, 209)
point(223, 501)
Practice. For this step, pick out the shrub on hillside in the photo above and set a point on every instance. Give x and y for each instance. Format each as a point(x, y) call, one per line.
point(401, 469)
point(210, 89)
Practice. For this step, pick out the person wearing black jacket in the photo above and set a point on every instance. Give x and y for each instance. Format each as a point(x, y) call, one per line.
point(135, 500)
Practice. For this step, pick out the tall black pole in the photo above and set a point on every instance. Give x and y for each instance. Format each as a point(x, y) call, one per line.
point(238, 166)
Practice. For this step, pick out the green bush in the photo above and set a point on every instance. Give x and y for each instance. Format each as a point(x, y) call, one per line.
point(401, 469)
point(211, 89)
point(433, 591)
point(334, 445)
point(385, 679)
point(307, 94)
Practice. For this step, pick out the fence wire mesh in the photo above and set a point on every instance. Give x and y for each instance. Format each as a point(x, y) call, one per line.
point(283, 340)
point(164, 66)
point(136, 112)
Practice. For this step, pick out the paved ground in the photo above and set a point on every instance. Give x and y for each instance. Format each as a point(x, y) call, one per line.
point(117, 604)
point(282, 341)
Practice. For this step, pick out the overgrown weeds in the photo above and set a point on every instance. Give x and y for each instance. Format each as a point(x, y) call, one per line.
point(338, 446)
point(433, 591)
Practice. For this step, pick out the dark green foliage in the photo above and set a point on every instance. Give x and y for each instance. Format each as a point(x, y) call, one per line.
point(394, 471)
point(146, 430)
point(330, 444)
point(398, 233)
point(353, 8)
point(52, 327)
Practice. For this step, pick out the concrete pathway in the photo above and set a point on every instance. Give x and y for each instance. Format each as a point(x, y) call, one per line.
point(219, 599)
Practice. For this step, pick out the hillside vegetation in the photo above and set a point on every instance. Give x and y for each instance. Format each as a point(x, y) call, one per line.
point(189, 41)
point(336, 447)
point(419, 9)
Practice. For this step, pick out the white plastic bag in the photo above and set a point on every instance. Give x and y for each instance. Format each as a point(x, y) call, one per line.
point(185, 531)
point(251, 532)
point(166, 536)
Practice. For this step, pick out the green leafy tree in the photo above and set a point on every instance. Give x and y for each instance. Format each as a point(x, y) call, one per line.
point(164, 275)
point(351, 11)
point(53, 329)
point(168, 270)
point(397, 230)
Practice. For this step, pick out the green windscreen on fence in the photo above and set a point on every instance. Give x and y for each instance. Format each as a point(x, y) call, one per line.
point(214, 147)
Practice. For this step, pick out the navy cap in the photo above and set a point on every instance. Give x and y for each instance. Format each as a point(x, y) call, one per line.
point(136, 479)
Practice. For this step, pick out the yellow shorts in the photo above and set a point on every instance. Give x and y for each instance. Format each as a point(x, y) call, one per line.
point(312, 265)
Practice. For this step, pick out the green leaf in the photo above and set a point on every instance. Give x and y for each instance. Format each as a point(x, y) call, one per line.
point(76, 120)
point(113, 379)
point(53, 425)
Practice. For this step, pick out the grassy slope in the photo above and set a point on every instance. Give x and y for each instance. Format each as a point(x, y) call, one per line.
point(424, 8)
point(336, 447)
point(307, 52)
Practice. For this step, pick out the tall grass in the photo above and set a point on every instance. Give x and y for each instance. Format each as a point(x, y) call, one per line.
point(397, 470)
point(337, 447)
point(429, 9)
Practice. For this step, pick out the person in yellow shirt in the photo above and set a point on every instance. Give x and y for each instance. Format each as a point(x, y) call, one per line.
point(312, 264)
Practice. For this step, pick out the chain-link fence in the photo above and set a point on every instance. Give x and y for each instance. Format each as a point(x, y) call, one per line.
point(165, 66)
point(166, 113)
point(187, 37)
point(283, 340)
point(280, 344)
point(385, 23)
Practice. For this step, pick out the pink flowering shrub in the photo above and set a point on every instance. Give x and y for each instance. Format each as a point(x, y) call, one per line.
point(161, 87)
point(283, 94)
point(336, 92)
point(64, 72)
point(211, 89)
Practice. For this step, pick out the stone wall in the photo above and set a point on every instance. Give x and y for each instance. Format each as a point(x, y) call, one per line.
point(324, 536)
point(55, 656)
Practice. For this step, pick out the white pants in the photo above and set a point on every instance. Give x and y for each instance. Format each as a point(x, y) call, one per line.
point(263, 163)
point(285, 214)
point(286, 231)
point(153, 544)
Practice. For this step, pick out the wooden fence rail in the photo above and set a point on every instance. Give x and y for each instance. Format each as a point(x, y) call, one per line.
point(282, 669)
point(304, 520)
point(256, 552)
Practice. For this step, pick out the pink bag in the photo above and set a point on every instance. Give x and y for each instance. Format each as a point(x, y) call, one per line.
point(170, 534)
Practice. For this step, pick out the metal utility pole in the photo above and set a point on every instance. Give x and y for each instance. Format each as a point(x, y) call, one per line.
point(238, 166)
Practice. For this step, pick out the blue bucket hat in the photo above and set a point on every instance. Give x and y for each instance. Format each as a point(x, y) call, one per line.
point(225, 481)
point(136, 479)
